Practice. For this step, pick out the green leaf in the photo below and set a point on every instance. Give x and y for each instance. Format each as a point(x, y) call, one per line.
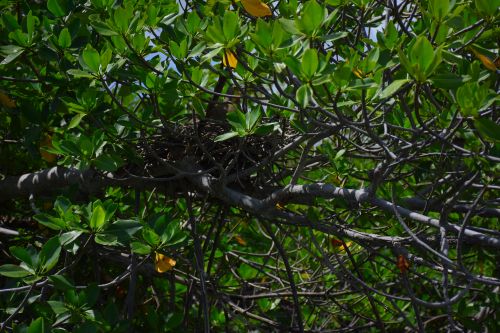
point(13, 271)
point(152, 15)
point(470, 97)
point(11, 52)
point(150, 237)
point(65, 147)
point(173, 234)
point(170, 18)
point(334, 36)
point(22, 254)
point(58, 307)
point(30, 26)
point(108, 162)
point(403, 59)
point(20, 37)
point(106, 239)
point(75, 121)
point(122, 17)
point(215, 33)
point(121, 227)
point(370, 62)
point(237, 119)
point(312, 17)
point(193, 22)
point(304, 95)
point(360, 84)
point(105, 58)
point(39, 325)
point(79, 74)
point(265, 129)
point(230, 25)
point(252, 117)
point(309, 63)
point(103, 28)
point(197, 50)
point(49, 255)
point(488, 128)
point(10, 22)
point(91, 58)
point(69, 237)
point(293, 64)
point(57, 7)
point(62, 205)
point(226, 136)
point(263, 34)
point(421, 54)
point(392, 88)
point(98, 218)
point(487, 7)
point(439, 8)
point(60, 282)
point(50, 221)
point(179, 50)
point(390, 36)
point(140, 248)
point(64, 39)
point(290, 26)
point(247, 272)
point(321, 79)
point(447, 81)
point(436, 60)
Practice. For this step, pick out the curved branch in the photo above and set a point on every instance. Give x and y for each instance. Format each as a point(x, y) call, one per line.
point(90, 181)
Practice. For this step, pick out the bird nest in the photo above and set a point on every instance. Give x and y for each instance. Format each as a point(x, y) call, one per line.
point(199, 145)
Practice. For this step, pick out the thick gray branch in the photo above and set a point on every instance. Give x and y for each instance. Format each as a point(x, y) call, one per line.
point(51, 180)
point(265, 207)
point(58, 177)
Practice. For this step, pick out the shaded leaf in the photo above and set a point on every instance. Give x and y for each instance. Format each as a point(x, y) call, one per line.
point(64, 39)
point(13, 271)
point(57, 7)
point(49, 255)
point(392, 88)
point(488, 128)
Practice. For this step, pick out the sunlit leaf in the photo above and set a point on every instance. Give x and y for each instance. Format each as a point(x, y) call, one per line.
point(163, 263)
point(256, 8)
point(487, 62)
point(229, 59)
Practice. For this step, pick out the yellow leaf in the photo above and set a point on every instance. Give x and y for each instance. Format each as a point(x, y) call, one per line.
point(358, 73)
point(163, 263)
point(229, 59)
point(6, 101)
point(485, 60)
point(240, 240)
point(347, 244)
point(339, 245)
point(256, 8)
point(46, 143)
point(279, 206)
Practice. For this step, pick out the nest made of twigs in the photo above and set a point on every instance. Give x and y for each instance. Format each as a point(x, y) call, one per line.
point(198, 143)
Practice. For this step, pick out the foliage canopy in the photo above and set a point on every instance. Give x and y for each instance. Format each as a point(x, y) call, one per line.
point(232, 166)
